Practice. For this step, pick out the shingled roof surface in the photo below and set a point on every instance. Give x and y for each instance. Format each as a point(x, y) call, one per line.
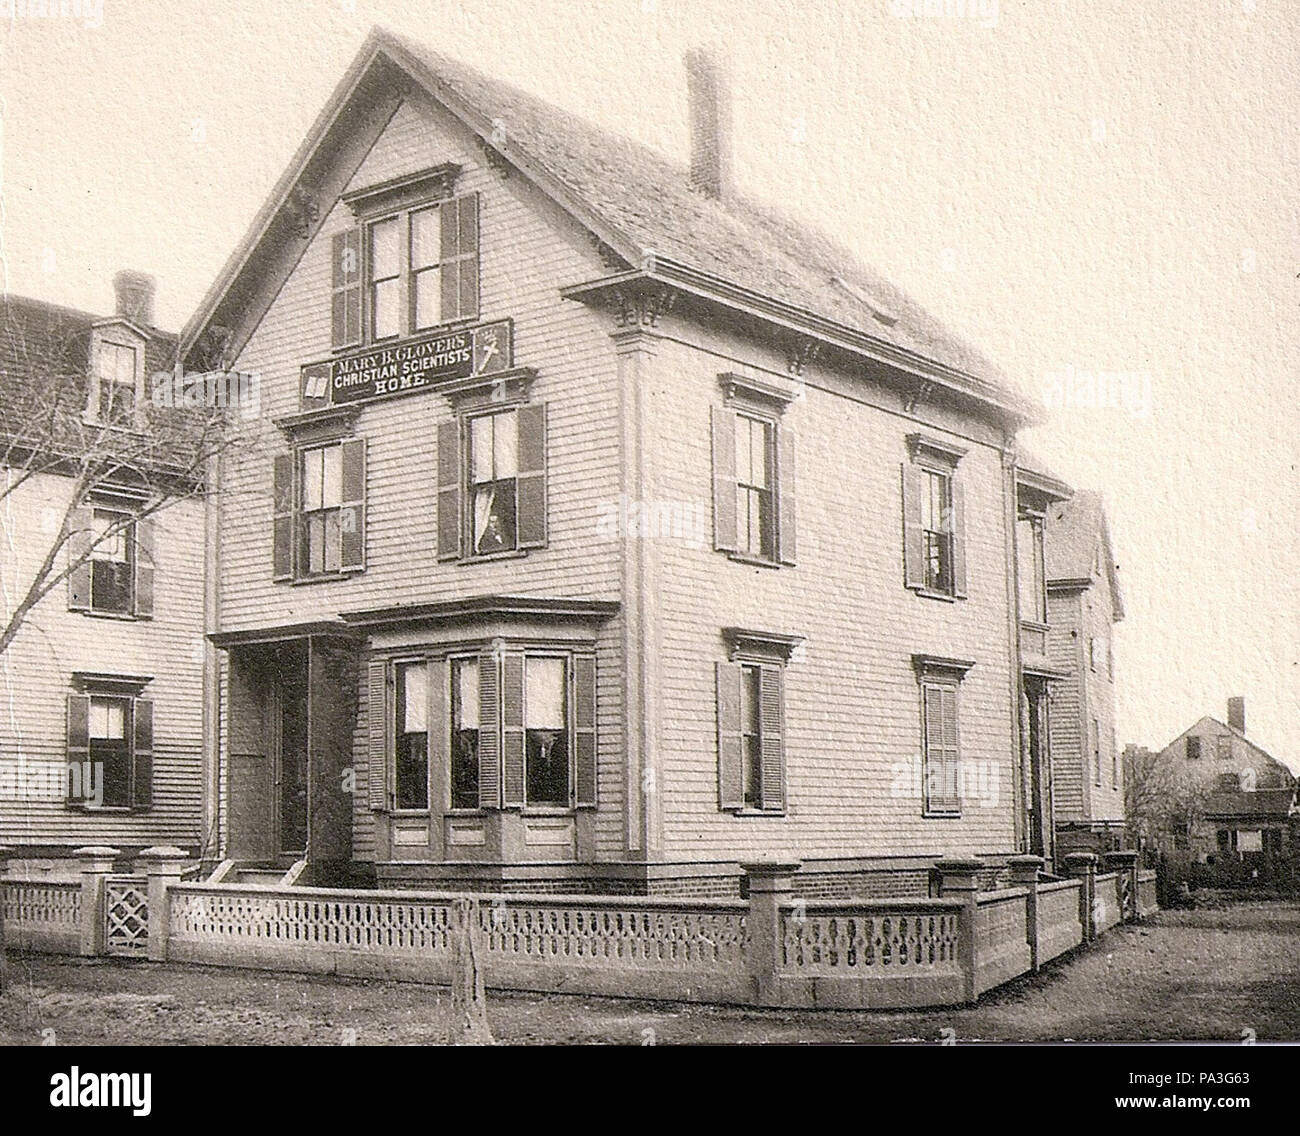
point(646, 196)
point(1261, 803)
point(1072, 534)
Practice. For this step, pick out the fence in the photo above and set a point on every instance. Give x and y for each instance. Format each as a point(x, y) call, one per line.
point(772, 950)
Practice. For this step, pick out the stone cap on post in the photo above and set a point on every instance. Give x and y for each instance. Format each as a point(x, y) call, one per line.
point(1025, 869)
point(164, 860)
point(770, 875)
point(1080, 863)
point(1123, 858)
point(959, 873)
point(97, 858)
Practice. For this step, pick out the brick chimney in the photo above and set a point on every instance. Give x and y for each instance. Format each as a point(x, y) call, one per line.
point(135, 292)
point(709, 97)
point(1237, 713)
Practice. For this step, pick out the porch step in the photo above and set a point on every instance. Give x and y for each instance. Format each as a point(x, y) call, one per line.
point(258, 877)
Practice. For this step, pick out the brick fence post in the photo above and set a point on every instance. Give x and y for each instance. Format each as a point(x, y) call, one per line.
point(1126, 860)
point(960, 879)
point(770, 885)
point(163, 865)
point(96, 866)
point(1083, 865)
point(1024, 873)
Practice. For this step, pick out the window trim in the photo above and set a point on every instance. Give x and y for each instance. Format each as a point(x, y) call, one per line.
point(95, 686)
point(943, 672)
point(101, 337)
point(395, 665)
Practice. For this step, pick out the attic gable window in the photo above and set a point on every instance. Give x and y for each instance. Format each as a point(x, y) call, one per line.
point(114, 388)
point(406, 271)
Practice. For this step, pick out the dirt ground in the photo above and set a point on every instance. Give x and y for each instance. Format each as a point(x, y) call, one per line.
point(1231, 973)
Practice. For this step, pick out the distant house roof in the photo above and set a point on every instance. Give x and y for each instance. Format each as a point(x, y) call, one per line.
point(639, 202)
point(1263, 804)
point(1226, 728)
point(1034, 473)
point(1072, 532)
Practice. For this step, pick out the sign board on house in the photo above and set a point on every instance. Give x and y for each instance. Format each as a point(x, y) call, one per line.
point(1250, 840)
point(410, 366)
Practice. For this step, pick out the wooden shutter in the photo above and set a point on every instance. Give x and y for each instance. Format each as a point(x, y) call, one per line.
point(80, 538)
point(78, 748)
point(282, 523)
point(489, 733)
point(512, 730)
point(459, 257)
point(941, 755)
point(144, 567)
point(771, 709)
point(449, 480)
point(141, 753)
point(345, 312)
point(724, 479)
point(377, 734)
point(584, 731)
point(731, 742)
point(531, 514)
point(958, 538)
point(785, 496)
point(352, 509)
point(913, 535)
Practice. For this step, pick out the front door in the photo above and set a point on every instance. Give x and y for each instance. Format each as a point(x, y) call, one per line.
point(291, 749)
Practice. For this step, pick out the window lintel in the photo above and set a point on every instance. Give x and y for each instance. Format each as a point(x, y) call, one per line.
point(745, 392)
point(940, 667)
point(926, 447)
point(101, 683)
point(502, 390)
point(329, 425)
point(762, 646)
point(429, 185)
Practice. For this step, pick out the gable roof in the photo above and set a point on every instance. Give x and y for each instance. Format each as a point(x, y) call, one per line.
point(637, 201)
point(1236, 733)
point(1070, 544)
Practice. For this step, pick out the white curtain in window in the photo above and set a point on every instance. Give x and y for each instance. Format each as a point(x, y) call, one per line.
point(544, 694)
point(416, 693)
point(465, 680)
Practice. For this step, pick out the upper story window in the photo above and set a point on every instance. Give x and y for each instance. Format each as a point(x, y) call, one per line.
point(319, 509)
point(111, 559)
point(753, 473)
point(492, 482)
point(1193, 749)
point(406, 272)
point(1032, 573)
point(117, 371)
point(934, 519)
point(1223, 747)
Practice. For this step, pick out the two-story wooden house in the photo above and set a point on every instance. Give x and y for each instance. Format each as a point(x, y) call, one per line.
point(1083, 605)
point(101, 739)
point(608, 529)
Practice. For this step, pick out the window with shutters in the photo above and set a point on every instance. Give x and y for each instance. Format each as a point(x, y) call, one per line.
point(753, 475)
point(492, 483)
point(109, 750)
point(319, 504)
point(415, 269)
point(934, 523)
point(411, 734)
point(750, 689)
point(111, 559)
point(941, 768)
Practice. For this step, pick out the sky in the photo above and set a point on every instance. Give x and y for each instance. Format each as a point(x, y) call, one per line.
point(1101, 194)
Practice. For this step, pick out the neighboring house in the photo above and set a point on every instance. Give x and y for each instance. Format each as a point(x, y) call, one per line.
point(1083, 605)
point(101, 736)
point(1247, 803)
point(608, 530)
point(1038, 492)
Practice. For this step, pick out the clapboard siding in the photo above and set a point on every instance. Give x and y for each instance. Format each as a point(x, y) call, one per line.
point(852, 699)
point(36, 670)
point(1065, 714)
point(528, 250)
point(1105, 801)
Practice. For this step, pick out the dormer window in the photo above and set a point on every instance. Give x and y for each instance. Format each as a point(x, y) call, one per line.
point(114, 395)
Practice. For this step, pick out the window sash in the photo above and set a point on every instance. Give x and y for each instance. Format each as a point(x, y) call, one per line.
point(464, 755)
point(548, 729)
point(411, 764)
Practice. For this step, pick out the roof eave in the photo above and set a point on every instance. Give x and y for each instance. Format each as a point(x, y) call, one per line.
point(1020, 411)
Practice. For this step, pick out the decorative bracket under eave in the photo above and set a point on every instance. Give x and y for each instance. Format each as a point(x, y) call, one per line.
point(496, 160)
point(920, 393)
point(800, 353)
point(302, 211)
point(641, 304)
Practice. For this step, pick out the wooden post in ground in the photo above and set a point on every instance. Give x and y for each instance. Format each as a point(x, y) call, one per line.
point(469, 1023)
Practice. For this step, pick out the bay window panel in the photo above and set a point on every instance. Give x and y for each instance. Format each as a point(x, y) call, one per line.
point(412, 740)
point(464, 734)
point(546, 730)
